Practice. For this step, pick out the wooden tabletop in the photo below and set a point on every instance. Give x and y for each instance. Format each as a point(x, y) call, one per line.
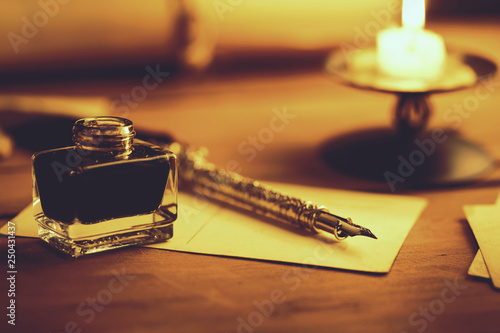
point(148, 290)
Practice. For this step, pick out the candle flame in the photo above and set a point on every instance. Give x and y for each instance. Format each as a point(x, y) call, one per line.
point(414, 14)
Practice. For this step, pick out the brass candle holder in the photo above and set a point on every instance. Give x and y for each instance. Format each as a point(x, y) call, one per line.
point(409, 153)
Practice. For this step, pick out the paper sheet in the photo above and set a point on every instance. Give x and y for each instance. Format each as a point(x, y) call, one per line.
point(484, 221)
point(208, 228)
point(478, 266)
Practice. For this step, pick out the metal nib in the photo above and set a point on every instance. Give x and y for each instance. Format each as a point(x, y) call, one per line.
point(341, 227)
point(368, 233)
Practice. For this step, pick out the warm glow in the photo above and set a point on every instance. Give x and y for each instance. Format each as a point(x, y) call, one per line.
point(414, 14)
point(411, 52)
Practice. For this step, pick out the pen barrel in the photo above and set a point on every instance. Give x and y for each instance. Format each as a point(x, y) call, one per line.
point(207, 180)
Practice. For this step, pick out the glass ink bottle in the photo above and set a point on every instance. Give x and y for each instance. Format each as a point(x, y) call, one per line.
point(105, 192)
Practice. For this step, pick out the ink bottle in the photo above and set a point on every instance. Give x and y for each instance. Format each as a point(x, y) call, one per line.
point(105, 192)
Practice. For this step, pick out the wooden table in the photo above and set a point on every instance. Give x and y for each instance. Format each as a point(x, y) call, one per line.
point(164, 291)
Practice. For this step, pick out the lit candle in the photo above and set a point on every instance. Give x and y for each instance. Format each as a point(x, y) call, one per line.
point(411, 52)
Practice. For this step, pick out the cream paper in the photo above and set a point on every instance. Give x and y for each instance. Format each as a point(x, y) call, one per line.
point(484, 221)
point(208, 228)
point(478, 266)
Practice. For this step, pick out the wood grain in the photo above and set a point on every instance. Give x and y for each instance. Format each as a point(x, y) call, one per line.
point(179, 292)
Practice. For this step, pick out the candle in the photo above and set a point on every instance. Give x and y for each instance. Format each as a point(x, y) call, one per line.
point(410, 51)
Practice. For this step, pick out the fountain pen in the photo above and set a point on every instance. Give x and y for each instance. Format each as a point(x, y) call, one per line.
point(208, 180)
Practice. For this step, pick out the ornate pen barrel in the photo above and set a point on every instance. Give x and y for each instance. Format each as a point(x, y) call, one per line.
point(216, 183)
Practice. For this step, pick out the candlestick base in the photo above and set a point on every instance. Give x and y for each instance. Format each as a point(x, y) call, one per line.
point(408, 154)
point(433, 158)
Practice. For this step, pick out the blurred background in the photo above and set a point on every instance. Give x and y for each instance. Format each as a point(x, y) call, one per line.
point(246, 79)
point(100, 50)
point(72, 35)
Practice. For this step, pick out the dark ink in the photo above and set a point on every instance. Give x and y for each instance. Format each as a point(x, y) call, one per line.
point(106, 191)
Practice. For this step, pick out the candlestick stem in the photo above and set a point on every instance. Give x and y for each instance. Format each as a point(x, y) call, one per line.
point(412, 113)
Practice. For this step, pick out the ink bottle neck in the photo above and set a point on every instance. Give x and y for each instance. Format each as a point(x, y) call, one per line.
point(104, 135)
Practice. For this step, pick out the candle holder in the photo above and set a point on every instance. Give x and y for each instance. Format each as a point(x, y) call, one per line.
point(409, 153)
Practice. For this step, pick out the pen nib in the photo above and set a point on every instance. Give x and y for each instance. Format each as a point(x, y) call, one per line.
point(341, 227)
point(367, 233)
